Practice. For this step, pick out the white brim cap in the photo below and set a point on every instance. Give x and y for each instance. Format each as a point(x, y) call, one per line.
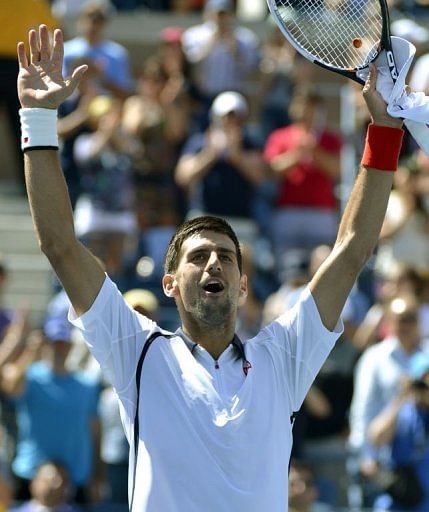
point(228, 102)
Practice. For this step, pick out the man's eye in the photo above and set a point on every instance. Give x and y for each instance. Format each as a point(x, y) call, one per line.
point(197, 257)
point(225, 257)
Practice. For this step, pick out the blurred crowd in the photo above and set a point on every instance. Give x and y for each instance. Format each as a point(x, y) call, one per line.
point(185, 134)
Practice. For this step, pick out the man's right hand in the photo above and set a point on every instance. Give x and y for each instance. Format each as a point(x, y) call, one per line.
point(376, 105)
point(40, 81)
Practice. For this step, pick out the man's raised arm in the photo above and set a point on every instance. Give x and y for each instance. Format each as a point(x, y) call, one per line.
point(41, 89)
point(361, 223)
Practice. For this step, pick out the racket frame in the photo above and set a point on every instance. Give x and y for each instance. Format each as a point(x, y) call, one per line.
point(384, 44)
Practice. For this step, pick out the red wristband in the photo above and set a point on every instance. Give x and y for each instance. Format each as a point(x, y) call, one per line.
point(382, 147)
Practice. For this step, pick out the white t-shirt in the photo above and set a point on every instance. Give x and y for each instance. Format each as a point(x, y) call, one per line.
point(211, 438)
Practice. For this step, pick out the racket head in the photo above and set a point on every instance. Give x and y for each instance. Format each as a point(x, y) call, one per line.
point(343, 36)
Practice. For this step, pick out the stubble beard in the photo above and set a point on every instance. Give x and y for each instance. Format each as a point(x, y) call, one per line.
point(213, 315)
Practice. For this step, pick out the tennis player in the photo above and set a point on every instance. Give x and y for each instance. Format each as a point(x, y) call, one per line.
point(208, 417)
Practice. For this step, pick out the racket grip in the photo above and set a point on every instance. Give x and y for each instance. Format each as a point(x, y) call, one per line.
point(382, 147)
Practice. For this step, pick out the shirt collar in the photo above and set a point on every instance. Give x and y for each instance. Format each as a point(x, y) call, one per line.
point(236, 343)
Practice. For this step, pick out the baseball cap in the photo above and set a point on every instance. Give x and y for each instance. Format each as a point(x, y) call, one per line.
point(56, 326)
point(218, 5)
point(57, 329)
point(145, 299)
point(227, 102)
point(419, 365)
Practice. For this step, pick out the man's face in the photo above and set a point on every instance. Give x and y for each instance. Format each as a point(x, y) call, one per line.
point(50, 486)
point(222, 19)
point(406, 327)
point(207, 284)
point(92, 24)
point(302, 490)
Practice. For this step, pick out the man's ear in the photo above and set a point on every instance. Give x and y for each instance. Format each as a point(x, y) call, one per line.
point(243, 290)
point(169, 285)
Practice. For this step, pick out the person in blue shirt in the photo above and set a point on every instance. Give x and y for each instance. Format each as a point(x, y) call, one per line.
point(108, 57)
point(56, 411)
point(404, 427)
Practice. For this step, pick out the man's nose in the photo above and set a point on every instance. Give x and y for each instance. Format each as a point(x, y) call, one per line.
point(213, 262)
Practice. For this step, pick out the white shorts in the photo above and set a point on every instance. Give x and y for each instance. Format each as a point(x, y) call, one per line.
point(89, 219)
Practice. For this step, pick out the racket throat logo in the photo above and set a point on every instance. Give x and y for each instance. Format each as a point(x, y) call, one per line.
point(392, 65)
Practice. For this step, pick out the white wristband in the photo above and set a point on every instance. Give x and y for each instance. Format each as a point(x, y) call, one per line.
point(38, 128)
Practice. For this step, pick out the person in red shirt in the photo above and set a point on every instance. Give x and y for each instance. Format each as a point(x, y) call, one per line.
point(305, 157)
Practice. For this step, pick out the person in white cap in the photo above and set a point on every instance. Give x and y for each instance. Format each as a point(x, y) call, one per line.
point(225, 161)
point(208, 417)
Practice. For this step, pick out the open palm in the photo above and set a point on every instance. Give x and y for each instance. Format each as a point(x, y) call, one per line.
point(40, 81)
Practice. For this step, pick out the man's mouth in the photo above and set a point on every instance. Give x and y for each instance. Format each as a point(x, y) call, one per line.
point(213, 286)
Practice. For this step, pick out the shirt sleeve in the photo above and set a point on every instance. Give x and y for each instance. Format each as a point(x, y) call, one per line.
point(302, 343)
point(194, 144)
point(115, 335)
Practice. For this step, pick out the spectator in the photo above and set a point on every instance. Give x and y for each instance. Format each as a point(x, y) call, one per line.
point(223, 54)
point(303, 491)
point(305, 158)
point(224, 162)
point(400, 281)
point(74, 120)
point(110, 59)
point(282, 68)
point(277, 69)
point(378, 373)
point(50, 490)
point(404, 426)
point(403, 238)
point(180, 87)
point(11, 347)
point(13, 330)
point(157, 118)
point(104, 214)
point(56, 412)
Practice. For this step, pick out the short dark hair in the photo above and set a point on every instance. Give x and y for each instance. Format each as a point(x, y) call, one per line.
point(192, 227)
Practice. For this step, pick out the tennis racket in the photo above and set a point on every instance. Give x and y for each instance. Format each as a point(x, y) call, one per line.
point(343, 36)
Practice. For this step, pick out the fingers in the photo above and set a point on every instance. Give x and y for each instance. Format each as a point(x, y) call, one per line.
point(34, 46)
point(45, 47)
point(22, 57)
point(371, 80)
point(58, 48)
point(74, 80)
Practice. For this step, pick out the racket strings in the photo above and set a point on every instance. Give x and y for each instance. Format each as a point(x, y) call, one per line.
point(340, 33)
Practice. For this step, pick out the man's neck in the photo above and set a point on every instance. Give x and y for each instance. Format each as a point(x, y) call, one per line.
point(214, 339)
point(93, 40)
